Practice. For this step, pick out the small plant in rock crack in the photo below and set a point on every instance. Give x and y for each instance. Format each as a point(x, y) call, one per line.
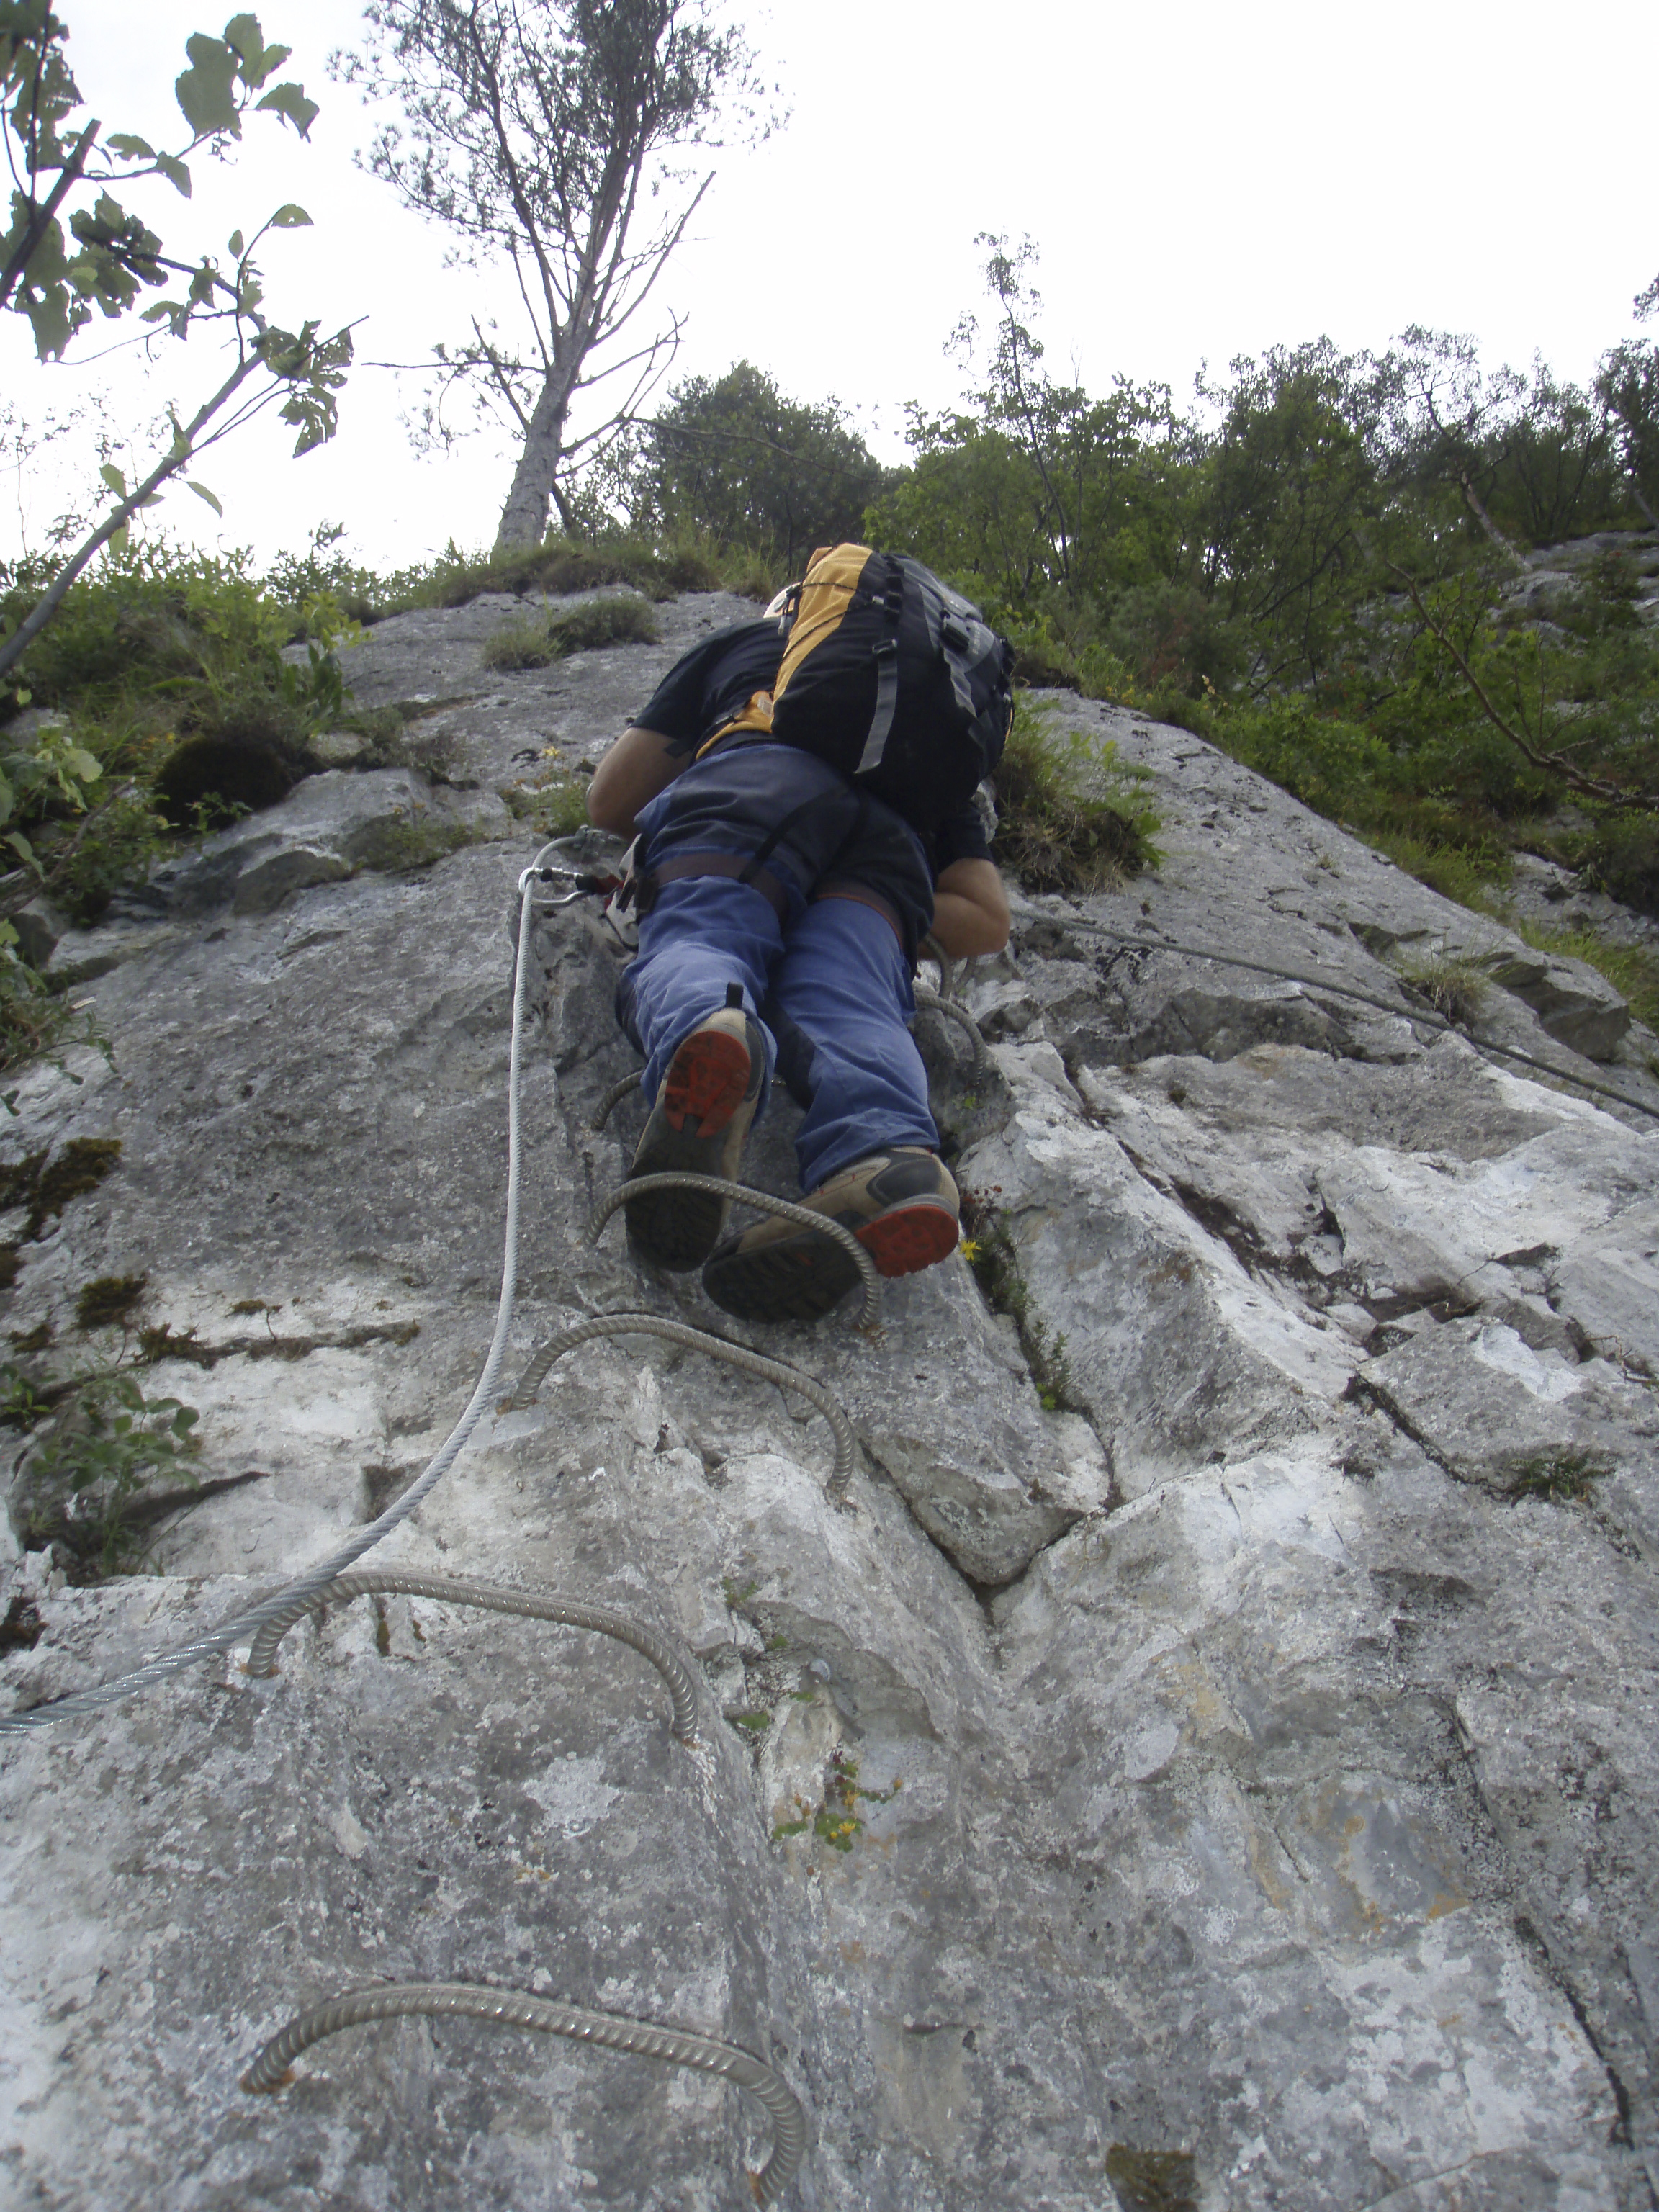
point(837, 1822)
point(22, 1405)
point(990, 1251)
point(1557, 1474)
point(110, 1445)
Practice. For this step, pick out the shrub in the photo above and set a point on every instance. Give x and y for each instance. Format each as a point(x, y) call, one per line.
point(583, 628)
point(1071, 815)
point(110, 1443)
point(1623, 860)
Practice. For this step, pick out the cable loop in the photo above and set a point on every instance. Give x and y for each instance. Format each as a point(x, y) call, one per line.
point(718, 1347)
point(936, 1002)
point(673, 2046)
point(613, 1098)
point(741, 1195)
point(491, 1597)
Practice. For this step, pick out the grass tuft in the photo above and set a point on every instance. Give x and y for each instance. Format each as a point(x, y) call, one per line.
point(584, 629)
point(1072, 817)
point(1452, 983)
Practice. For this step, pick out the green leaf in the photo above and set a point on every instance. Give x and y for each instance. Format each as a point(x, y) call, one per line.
point(175, 172)
point(128, 148)
point(243, 33)
point(113, 478)
point(158, 311)
point(234, 245)
point(79, 762)
point(25, 852)
point(5, 797)
point(290, 218)
point(118, 539)
point(201, 492)
point(289, 100)
point(207, 90)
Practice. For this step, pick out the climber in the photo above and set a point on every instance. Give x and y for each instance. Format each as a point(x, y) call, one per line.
point(781, 908)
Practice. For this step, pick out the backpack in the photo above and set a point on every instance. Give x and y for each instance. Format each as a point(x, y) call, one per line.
point(895, 679)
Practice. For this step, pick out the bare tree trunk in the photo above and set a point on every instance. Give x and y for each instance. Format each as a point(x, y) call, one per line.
point(523, 518)
point(1478, 509)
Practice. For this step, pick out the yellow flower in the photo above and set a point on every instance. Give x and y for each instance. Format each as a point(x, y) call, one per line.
point(971, 1249)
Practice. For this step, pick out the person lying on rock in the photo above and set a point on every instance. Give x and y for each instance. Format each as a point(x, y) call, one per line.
point(781, 907)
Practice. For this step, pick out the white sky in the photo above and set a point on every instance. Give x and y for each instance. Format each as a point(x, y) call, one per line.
point(1203, 179)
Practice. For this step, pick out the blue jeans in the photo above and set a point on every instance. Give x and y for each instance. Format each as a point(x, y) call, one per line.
point(827, 978)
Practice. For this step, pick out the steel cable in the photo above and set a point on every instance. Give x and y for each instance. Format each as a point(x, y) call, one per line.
point(784, 1207)
point(642, 2039)
point(491, 1597)
point(1348, 991)
point(718, 1347)
point(316, 1579)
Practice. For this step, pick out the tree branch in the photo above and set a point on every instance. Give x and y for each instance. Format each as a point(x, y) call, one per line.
point(35, 230)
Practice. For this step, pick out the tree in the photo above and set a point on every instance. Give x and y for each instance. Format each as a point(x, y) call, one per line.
point(735, 458)
point(119, 255)
point(1628, 382)
point(118, 252)
point(1038, 494)
point(1449, 421)
point(1293, 485)
point(543, 132)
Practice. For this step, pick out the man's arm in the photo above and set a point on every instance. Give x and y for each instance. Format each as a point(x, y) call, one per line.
point(970, 909)
point(637, 767)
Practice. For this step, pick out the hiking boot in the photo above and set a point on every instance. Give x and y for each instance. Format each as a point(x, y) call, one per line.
point(901, 1206)
point(704, 1107)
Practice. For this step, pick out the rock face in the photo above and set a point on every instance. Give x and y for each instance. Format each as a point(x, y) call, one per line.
point(1223, 1776)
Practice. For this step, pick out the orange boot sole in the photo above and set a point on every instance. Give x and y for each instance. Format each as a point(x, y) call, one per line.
point(706, 1081)
point(911, 1237)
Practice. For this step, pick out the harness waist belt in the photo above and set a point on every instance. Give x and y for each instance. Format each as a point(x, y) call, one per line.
point(737, 865)
point(861, 895)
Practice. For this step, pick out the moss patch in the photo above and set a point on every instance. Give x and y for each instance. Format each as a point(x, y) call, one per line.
point(108, 1303)
point(46, 1186)
point(1152, 2180)
point(79, 1168)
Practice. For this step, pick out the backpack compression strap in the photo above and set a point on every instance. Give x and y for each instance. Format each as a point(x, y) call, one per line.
point(881, 722)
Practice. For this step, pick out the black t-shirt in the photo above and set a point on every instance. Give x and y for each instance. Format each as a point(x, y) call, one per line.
point(711, 686)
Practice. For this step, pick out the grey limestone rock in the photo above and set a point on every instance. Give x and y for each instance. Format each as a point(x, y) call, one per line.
point(1216, 1772)
point(329, 827)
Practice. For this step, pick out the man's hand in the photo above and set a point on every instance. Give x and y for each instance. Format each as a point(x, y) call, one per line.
point(970, 910)
point(637, 767)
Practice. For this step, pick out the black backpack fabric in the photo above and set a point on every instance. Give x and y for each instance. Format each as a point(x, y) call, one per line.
point(895, 679)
